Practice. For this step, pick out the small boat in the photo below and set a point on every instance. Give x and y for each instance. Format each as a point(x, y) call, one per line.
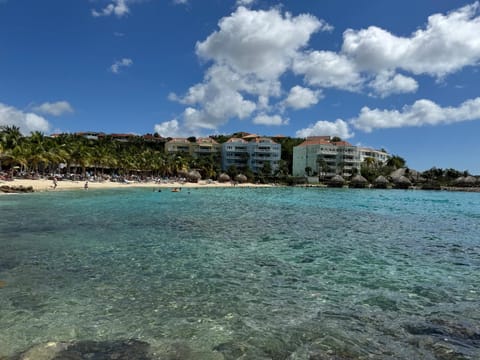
point(176, 190)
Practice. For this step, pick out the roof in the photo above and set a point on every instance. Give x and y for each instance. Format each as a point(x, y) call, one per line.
point(263, 139)
point(236, 140)
point(323, 140)
point(206, 141)
point(251, 136)
point(178, 140)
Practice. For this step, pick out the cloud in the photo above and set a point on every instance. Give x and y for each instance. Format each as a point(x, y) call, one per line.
point(180, 2)
point(169, 129)
point(387, 83)
point(56, 109)
point(249, 53)
point(244, 2)
point(447, 44)
point(269, 120)
point(124, 63)
point(301, 98)
point(328, 69)
point(262, 43)
point(119, 8)
point(422, 112)
point(338, 128)
point(26, 121)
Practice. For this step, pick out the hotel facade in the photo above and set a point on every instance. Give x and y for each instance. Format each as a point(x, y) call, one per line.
point(322, 156)
point(253, 154)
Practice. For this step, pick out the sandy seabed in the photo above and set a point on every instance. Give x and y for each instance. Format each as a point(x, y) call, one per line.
point(47, 185)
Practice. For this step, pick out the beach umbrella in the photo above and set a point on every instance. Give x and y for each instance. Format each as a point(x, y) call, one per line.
point(402, 182)
point(194, 176)
point(336, 181)
point(358, 181)
point(380, 182)
point(223, 177)
point(241, 178)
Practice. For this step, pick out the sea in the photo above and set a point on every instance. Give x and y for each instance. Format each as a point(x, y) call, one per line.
point(240, 273)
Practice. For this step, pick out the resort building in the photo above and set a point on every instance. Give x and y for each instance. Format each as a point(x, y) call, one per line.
point(198, 148)
point(380, 156)
point(320, 155)
point(253, 154)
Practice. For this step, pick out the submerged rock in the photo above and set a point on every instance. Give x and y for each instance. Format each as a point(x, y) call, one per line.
point(92, 350)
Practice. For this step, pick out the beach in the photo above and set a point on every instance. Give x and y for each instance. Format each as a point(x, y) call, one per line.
point(47, 185)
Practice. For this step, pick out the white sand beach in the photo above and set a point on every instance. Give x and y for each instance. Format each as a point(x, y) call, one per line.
point(47, 185)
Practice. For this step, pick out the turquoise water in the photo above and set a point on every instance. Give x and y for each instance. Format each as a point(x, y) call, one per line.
point(261, 273)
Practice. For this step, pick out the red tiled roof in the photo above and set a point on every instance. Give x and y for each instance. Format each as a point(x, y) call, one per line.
point(323, 140)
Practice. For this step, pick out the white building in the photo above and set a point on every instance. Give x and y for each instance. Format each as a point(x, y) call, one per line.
point(326, 158)
point(252, 154)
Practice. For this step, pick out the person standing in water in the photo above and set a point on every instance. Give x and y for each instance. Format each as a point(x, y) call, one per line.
point(86, 185)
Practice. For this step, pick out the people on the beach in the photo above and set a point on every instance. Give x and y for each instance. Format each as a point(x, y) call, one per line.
point(86, 185)
point(54, 182)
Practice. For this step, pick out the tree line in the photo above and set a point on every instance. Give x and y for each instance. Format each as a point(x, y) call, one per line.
point(77, 156)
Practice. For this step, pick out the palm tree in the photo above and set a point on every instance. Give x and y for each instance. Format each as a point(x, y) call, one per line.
point(10, 136)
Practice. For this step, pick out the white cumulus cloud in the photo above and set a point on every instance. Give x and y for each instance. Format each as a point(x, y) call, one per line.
point(387, 83)
point(338, 128)
point(269, 120)
point(422, 112)
point(26, 121)
point(119, 8)
point(328, 69)
point(447, 44)
point(56, 109)
point(119, 64)
point(170, 129)
point(259, 42)
point(301, 98)
point(249, 52)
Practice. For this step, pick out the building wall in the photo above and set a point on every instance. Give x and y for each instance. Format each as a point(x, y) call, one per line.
point(253, 154)
point(328, 159)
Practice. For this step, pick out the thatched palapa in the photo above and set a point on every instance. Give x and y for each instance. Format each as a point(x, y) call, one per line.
point(336, 181)
point(380, 182)
point(194, 176)
point(402, 182)
point(358, 181)
point(223, 177)
point(241, 178)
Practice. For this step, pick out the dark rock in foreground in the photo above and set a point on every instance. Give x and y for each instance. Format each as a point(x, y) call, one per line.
point(16, 189)
point(92, 350)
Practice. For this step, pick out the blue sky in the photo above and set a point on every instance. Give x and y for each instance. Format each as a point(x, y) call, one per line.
point(386, 74)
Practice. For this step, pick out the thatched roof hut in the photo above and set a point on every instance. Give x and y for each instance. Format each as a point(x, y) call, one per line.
point(182, 173)
point(194, 176)
point(358, 181)
point(223, 177)
point(402, 182)
point(241, 178)
point(336, 181)
point(380, 182)
point(468, 181)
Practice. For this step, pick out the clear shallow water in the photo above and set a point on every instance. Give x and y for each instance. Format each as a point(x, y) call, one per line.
point(276, 273)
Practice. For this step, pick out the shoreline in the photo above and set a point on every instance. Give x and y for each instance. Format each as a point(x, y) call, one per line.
point(43, 185)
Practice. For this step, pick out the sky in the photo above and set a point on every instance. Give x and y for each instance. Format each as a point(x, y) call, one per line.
point(398, 75)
